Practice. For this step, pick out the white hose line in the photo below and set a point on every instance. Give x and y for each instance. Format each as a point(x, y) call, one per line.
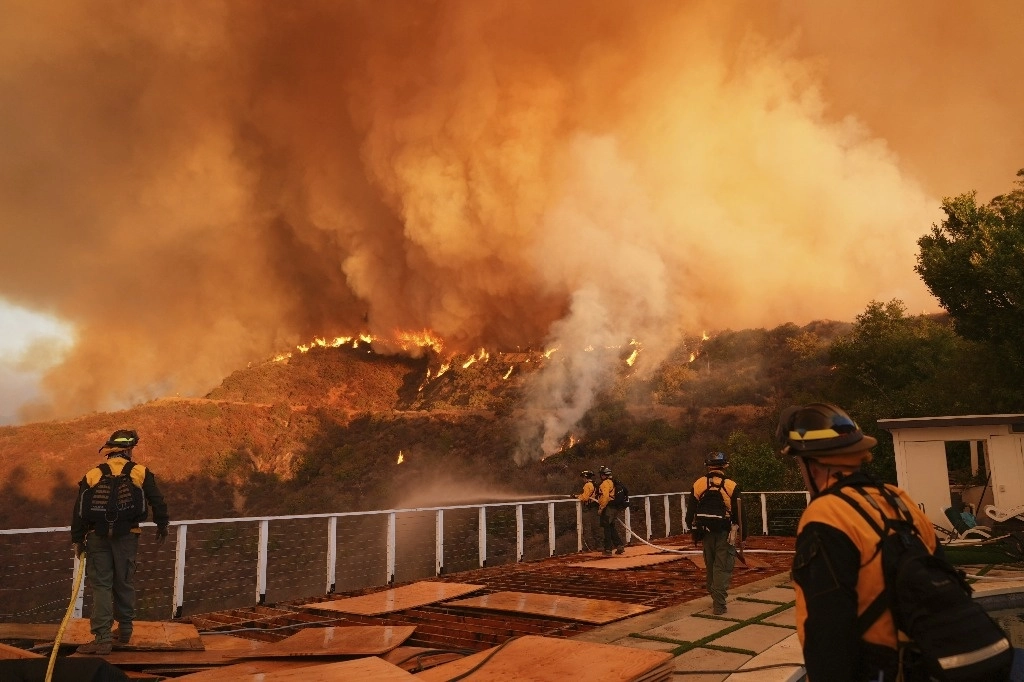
point(629, 533)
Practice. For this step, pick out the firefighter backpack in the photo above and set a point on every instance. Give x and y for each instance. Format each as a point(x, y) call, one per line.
point(114, 504)
point(711, 514)
point(931, 601)
point(621, 499)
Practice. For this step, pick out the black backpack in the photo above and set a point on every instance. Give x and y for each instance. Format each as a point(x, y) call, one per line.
point(621, 499)
point(931, 601)
point(114, 504)
point(711, 514)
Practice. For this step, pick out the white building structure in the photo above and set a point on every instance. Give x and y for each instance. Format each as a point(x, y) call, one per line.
point(922, 469)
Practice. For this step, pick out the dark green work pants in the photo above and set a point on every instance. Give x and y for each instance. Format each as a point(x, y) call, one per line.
point(110, 568)
point(719, 558)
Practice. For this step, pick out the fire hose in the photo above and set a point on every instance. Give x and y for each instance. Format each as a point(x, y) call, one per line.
point(77, 584)
point(660, 548)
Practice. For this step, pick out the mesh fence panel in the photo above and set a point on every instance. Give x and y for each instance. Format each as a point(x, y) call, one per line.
point(415, 549)
point(535, 531)
point(362, 552)
point(461, 540)
point(565, 529)
point(296, 559)
point(501, 535)
point(36, 571)
point(220, 560)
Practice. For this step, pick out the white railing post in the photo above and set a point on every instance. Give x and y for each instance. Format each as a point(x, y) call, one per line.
point(579, 526)
point(482, 536)
point(647, 516)
point(80, 595)
point(439, 543)
point(668, 518)
point(551, 529)
point(332, 552)
point(629, 525)
point(682, 512)
point(519, 532)
point(261, 565)
point(807, 497)
point(764, 514)
point(390, 577)
point(178, 598)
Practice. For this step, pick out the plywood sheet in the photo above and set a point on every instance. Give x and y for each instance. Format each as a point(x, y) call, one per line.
point(398, 598)
point(353, 640)
point(597, 611)
point(370, 668)
point(622, 563)
point(145, 634)
point(217, 650)
point(9, 653)
point(548, 659)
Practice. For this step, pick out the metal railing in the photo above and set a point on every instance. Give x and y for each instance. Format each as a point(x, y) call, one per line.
point(308, 555)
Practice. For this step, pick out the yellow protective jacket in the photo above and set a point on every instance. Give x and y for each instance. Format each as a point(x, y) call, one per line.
point(588, 494)
point(837, 572)
point(605, 493)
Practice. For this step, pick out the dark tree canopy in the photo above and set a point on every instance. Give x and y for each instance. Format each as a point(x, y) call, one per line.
point(974, 264)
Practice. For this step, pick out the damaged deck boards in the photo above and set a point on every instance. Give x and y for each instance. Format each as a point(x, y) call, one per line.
point(547, 659)
point(398, 598)
point(217, 650)
point(352, 640)
point(752, 562)
point(595, 611)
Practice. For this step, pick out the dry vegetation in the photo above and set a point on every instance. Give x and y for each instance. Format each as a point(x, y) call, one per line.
point(322, 431)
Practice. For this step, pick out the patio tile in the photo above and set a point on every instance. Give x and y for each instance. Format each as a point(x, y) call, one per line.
point(755, 637)
point(708, 659)
point(689, 628)
point(786, 651)
point(783, 595)
point(787, 617)
point(743, 610)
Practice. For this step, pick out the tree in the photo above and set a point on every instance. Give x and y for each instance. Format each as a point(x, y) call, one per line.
point(974, 264)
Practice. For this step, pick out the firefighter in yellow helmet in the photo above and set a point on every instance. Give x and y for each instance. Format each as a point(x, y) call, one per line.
point(845, 633)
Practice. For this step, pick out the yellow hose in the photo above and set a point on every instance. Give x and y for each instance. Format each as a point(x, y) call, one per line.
point(67, 616)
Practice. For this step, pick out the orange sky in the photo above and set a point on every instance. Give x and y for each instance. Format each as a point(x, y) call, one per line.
point(195, 186)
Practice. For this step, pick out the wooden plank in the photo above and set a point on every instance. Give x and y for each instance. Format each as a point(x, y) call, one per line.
point(549, 659)
point(353, 640)
point(218, 650)
point(622, 563)
point(596, 611)
point(145, 634)
point(9, 653)
point(370, 668)
point(397, 599)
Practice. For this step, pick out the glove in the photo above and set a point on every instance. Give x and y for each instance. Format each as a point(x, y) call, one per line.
point(161, 534)
point(734, 535)
point(78, 548)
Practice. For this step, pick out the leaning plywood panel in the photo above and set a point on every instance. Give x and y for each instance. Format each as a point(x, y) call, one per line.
point(354, 640)
point(622, 563)
point(547, 659)
point(370, 668)
point(217, 650)
point(596, 611)
point(397, 599)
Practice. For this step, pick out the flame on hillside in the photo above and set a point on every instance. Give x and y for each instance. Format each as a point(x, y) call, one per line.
point(482, 356)
point(509, 372)
point(401, 457)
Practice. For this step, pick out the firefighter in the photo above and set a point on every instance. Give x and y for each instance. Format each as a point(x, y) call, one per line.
point(608, 512)
point(111, 544)
point(588, 498)
point(714, 521)
point(837, 569)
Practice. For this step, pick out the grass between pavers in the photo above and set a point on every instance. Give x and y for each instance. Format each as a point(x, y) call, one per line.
point(705, 642)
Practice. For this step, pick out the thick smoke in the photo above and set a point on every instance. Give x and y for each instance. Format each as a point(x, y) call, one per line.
point(194, 186)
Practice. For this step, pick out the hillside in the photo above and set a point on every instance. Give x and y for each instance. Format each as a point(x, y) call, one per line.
point(322, 430)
